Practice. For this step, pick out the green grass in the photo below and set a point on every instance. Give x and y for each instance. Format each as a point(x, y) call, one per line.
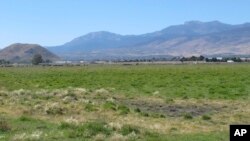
point(27, 128)
point(187, 81)
point(116, 102)
point(215, 136)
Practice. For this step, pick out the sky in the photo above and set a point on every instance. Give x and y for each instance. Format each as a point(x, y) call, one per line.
point(55, 22)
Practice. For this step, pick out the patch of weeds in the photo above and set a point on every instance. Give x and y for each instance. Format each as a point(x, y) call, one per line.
point(151, 135)
point(173, 129)
point(90, 107)
point(185, 97)
point(109, 105)
point(46, 97)
point(123, 110)
point(128, 129)
point(145, 114)
point(206, 117)
point(169, 101)
point(188, 116)
point(88, 130)
point(55, 109)
point(156, 115)
point(71, 94)
point(25, 118)
point(137, 110)
point(4, 126)
point(66, 125)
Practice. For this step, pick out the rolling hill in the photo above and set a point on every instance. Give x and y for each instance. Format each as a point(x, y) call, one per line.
point(23, 53)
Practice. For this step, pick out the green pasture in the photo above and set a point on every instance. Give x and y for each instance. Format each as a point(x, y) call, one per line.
point(189, 81)
point(189, 102)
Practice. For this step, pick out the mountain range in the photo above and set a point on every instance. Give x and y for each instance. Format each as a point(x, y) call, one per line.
point(190, 38)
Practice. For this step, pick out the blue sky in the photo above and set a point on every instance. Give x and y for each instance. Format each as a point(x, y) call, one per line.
point(54, 22)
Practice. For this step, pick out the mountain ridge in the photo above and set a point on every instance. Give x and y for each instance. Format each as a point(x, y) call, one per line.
point(187, 39)
point(190, 38)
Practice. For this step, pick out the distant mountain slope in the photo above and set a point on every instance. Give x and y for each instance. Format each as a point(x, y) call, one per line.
point(234, 41)
point(191, 38)
point(24, 53)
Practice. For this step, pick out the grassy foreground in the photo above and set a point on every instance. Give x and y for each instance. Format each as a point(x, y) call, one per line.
point(154, 102)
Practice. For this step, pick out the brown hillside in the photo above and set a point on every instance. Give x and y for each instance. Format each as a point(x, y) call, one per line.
point(23, 53)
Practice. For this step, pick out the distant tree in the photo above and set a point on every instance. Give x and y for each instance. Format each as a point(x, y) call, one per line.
point(236, 59)
point(214, 59)
point(193, 58)
point(37, 58)
point(201, 58)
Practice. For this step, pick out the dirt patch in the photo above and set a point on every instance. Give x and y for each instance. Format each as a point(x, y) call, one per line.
point(172, 110)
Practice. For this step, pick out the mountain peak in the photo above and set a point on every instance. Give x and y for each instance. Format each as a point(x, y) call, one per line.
point(101, 34)
point(201, 23)
point(94, 36)
point(193, 22)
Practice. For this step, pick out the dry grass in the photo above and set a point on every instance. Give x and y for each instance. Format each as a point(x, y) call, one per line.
point(69, 105)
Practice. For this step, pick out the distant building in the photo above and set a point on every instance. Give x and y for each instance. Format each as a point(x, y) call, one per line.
point(230, 61)
point(245, 59)
point(62, 62)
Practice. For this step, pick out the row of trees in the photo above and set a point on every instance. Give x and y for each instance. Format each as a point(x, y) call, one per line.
point(214, 59)
point(37, 59)
point(235, 59)
point(193, 58)
point(4, 62)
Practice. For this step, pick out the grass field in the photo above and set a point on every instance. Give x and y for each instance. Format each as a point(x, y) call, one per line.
point(114, 102)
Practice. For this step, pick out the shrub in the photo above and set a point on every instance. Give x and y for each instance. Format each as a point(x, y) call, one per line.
point(145, 114)
point(88, 130)
point(137, 110)
point(206, 117)
point(25, 118)
point(156, 115)
point(109, 105)
point(123, 110)
point(127, 129)
point(90, 107)
point(169, 100)
point(188, 116)
point(54, 109)
point(173, 129)
point(65, 125)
